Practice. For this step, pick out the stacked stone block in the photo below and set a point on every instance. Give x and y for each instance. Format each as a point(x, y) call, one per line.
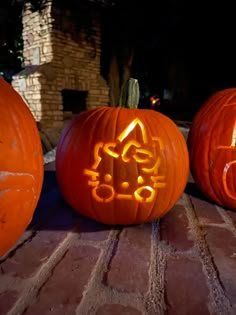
point(55, 60)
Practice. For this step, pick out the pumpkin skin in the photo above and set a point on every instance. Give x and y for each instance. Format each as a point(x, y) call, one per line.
point(21, 166)
point(211, 143)
point(122, 166)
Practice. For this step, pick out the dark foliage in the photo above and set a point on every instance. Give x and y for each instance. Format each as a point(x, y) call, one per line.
point(11, 43)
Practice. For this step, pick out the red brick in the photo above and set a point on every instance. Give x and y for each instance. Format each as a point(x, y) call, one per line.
point(174, 229)
point(7, 299)
point(117, 309)
point(222, 244)
point(205, 211)
point(186, 288)
point(181, 199)
point(128, 269)
point(62, 293)
point(52, 229)
point(28, 258)
point(24, 237)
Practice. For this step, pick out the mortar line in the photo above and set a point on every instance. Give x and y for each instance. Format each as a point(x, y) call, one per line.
point(28, 235)
point(220, 302)
point(155, 299)
point(228, 220)
point(35, 283)
point(85, 306)
point(97, 291)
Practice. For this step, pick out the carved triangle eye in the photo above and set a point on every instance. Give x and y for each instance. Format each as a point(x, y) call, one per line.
point(140, 180)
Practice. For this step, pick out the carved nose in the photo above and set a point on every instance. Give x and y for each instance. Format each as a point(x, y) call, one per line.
point(125, 185)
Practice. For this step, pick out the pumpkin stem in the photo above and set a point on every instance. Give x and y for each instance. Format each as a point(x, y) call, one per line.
point(129, 96)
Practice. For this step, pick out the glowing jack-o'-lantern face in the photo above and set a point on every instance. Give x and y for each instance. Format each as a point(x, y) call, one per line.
point(122, 166)
point(124, 150)
point(211, 143)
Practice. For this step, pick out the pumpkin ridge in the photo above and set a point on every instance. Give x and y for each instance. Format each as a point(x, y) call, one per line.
point(116, 119)
point(212, 188)
point(198, 135)
point(217, 114)
point(137, 208)
point(109, 112)
point(100, 115)
point(150, 132)
point(180, 140)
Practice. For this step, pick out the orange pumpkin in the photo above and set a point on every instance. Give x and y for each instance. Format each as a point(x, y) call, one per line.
point(122, 165)
point(211, 143)
point(21, 166)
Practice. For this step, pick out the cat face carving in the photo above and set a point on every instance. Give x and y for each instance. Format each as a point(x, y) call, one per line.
point(127, 168)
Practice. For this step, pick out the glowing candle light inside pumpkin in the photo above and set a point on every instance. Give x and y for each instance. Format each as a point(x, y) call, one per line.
point(137, 151)
point(233, 142)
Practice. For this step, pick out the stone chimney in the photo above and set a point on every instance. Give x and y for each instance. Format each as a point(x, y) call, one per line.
point(62, 67)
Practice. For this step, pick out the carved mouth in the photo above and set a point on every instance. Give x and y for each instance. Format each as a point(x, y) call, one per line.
point(106, 193)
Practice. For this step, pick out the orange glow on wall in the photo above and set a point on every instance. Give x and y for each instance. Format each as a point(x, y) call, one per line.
point(154, 100)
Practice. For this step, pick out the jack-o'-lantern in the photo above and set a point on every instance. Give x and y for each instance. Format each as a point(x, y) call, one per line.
point(21, 166)
point(212, 150)
point(122, 165)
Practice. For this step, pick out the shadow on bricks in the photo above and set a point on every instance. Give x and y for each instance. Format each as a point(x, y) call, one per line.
point(191, 189)
point(54, 214)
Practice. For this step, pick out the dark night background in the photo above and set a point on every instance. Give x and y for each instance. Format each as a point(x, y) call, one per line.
point(192, 54)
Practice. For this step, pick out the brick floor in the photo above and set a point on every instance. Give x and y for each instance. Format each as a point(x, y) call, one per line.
point(182, 264)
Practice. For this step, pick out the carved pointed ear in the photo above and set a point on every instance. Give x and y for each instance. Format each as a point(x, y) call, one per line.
point(136, 123)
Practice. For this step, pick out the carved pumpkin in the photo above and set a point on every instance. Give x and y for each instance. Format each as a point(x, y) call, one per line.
point(21, 166)
point(211, 143)
point(122, 165)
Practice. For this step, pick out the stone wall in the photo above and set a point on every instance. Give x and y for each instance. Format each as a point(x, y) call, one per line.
point(56, 60)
